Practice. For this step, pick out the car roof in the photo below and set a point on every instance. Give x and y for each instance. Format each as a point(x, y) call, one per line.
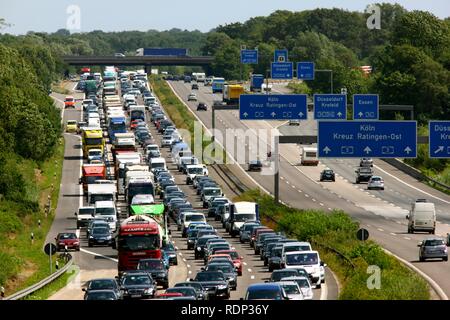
point(266, 285)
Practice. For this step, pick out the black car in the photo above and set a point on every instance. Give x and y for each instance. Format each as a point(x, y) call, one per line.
point(100, 236)
point(194, 86)
point(214, 282)
point(201, 292)
point(101, 295)
point(200, 245)
point(255, 165)
point(102, 284)
point(277, 275)
point(137, 284)
point(327, 175)
point(274, 259)
point(202, 106)
point(157, 269)
point(228, 270)
point(169, 248)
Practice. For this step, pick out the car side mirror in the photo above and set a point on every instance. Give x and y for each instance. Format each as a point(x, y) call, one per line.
point(75, 214)
point(80, 181)
point(407, 216)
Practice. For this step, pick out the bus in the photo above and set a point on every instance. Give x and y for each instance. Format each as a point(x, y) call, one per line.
point(139, 237)
point(217, 85)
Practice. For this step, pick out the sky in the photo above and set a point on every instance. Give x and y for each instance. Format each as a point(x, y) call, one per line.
point(142, 15)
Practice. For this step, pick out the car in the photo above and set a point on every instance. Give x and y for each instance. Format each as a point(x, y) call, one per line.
point(293, 290)
point(214, 282)
point(157, 269)
point(194, 86)
point(96, 222)
point(433, 248)
point(100, 236)
point(375, 182)
point(69, 102)
point(101, 295)
point(228, 270)
point(366, 162)
point(201, 292)
point(200, 245)
point(363, 174)
point(169, 248)
point(274, 261)
point(95, 154)
point(327, 175)
point(67, 240)
point(294, 122)
point(304, 284)
point(71, 126)
point(185, 291)
point(103, 284)
point(121, 55)
point(254, 165)
point(277, 275)
point(265, 291)
point(246, 230)
point(235, 257)
point(192, 97)
point(137, 284)
point(202, 106)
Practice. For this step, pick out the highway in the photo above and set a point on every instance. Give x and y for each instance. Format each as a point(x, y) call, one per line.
point(381, 212)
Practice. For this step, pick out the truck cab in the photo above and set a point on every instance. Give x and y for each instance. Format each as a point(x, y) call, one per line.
point(91, 173)
point(194, 170)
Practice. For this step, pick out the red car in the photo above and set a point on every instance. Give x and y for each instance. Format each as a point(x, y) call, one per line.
point(168, 295)
point(134, 124)
point(67, 239)
point(237, 259)
point(69, 102)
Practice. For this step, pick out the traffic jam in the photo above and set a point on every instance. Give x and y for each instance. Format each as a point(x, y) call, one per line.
point(148, 197)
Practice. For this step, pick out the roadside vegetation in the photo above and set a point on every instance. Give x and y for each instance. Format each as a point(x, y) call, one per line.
point(334, 236)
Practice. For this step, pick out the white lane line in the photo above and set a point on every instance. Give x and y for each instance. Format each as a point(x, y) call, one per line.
point(299, 190)
point(98, 255)
point(245, 263)
point(180, 253)
point(330, 209)
point(294, 187)
point(393, 234)
point(321, 204)
point(188, 265)
point(282, 178)
point(379, 229)
point(306, 195)
point(406, 238)
point(249, 270)
point(176, 248)
point(288, 182)
point(184, 260)
point(407, 184)
point(187, 279)
point(324, 292)
point(314, 200)
point(189, 272)
point(369, 225)
point(252, 277)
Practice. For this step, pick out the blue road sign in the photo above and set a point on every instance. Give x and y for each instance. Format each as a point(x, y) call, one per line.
point(366, 107)
point(305, 70)
point(330, 107)
point(375, 139)
point(280, 55)
point(439, 142)
point(273, 107)
point(282, 70)
point(249, 56)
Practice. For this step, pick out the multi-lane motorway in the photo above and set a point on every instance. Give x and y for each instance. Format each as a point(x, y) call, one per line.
point(381, 212)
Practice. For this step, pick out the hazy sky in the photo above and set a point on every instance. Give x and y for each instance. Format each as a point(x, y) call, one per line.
point(113, 15)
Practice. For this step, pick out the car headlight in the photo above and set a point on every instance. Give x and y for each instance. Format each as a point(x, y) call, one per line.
point(148, 291)
point(199, 249)
point(76, 243)
point(222, 286)
point(61, 243)
point(91, 237)
point(108, 237)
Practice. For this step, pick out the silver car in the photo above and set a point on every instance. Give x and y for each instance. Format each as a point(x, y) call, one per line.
point(366, 162)
point(432, 248)
point(375, 182)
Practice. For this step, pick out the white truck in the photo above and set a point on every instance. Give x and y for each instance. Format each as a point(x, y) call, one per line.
point(422, 217)
point(194, 170)
point(83, 215)
point(309, 156)
point(101, 192)
point(240, 212)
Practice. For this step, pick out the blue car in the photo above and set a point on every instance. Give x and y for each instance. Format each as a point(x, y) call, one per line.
point(165, 258)
point(265, 291)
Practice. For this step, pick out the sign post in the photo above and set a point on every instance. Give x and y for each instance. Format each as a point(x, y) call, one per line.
point(439, 141)
point(249, 56)
point(280, 55)
point(50, 250)
point(305, 70)
point(282, 70)
point(359, 139)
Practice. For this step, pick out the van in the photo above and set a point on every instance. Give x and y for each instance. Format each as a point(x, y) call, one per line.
point(308, 260)
point(309, 156)
point(157, 163)
point(294, 246)
point(107, 209)
point(240, 212)
point(191, 217)
point(422, 217)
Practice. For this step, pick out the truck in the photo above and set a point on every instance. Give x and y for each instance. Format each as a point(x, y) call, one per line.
point(199, 76)
point(139, 237)
point(217, 85)
point(101, 192)
point(422, 217)
point(109, 88)
point(91, 173)
point(90, 87)
point(92, 138)
point(256, 82)
point(232, 92)
point(116, 124)
point(309, 156)
point(139, 186)
point(137, 112)
point(240, 212)
point(171, 52)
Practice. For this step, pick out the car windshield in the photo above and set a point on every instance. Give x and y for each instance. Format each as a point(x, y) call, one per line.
point(276, 252)
point(105, 211)
point(136, 280)
point(151, 265)
point(101, 197)
point(202, 241)
point(249, 227)
point(277, 276)
point(195, 217)
point(291, 289)
point(210, 276)
point(376, 179)
point(136, 243)
point(233, 254)
point(302, 259)
point(303, 283)
point(93, 141)
point(195, 170)
point(226, 268)
point(435, 242)
point(297, 248)
point(328, 172)
point(244, 217)
point(212, 192)
point(101, 285)
point(71, 122)
point(100, 231)
point(101, 296)
point(266, 294)
point(86, 211)
point(65, 236)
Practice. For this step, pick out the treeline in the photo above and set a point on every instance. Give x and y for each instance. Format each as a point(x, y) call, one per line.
point(410, 54)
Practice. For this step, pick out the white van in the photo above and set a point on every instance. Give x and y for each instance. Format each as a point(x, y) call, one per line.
point(309, 156)
point(191, 217)
point(422, 217)
point(294, 246)
point(239, 213)
point(193, 170)
point(107, 210)
point(308, 260)
point(157, 163)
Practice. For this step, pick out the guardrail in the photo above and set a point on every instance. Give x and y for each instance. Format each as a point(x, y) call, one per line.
point(413, 172)
point(31, 289)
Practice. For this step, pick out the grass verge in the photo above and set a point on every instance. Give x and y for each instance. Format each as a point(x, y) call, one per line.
point(23, 263)
point(60, 87)
point(334, 236)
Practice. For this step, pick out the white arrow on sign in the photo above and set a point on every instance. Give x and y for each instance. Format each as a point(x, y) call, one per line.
point(408, 150)
point(339, 114)
point(367, 150)
point(301, 114)
point(326, 150)
point(360, 114)
point(273, 114)
point(440, 149)
point(245, 114)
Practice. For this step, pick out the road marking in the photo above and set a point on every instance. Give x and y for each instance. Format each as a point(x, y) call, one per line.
point(330, 209)
point(321, 204)
point(249, 270)
point(189, 272)
point(299, 190)
point(98, 255)
point(180, 253)
point(252, 277)
point(406, 238)
point(324, 292)
point(184, 259)
point(176, 248)
point(314, 200)
point(282, 178)
point(188, 265)
point(245, 263)
point(306, 195)
point(187, 279)
point(294, 186)
point(392, 234)
point(379, 229)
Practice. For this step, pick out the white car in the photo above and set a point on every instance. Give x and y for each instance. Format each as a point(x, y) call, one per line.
point(304, 285)
point(192, 97)
point(292, 289)
point(375, 182)
point(294, 122)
